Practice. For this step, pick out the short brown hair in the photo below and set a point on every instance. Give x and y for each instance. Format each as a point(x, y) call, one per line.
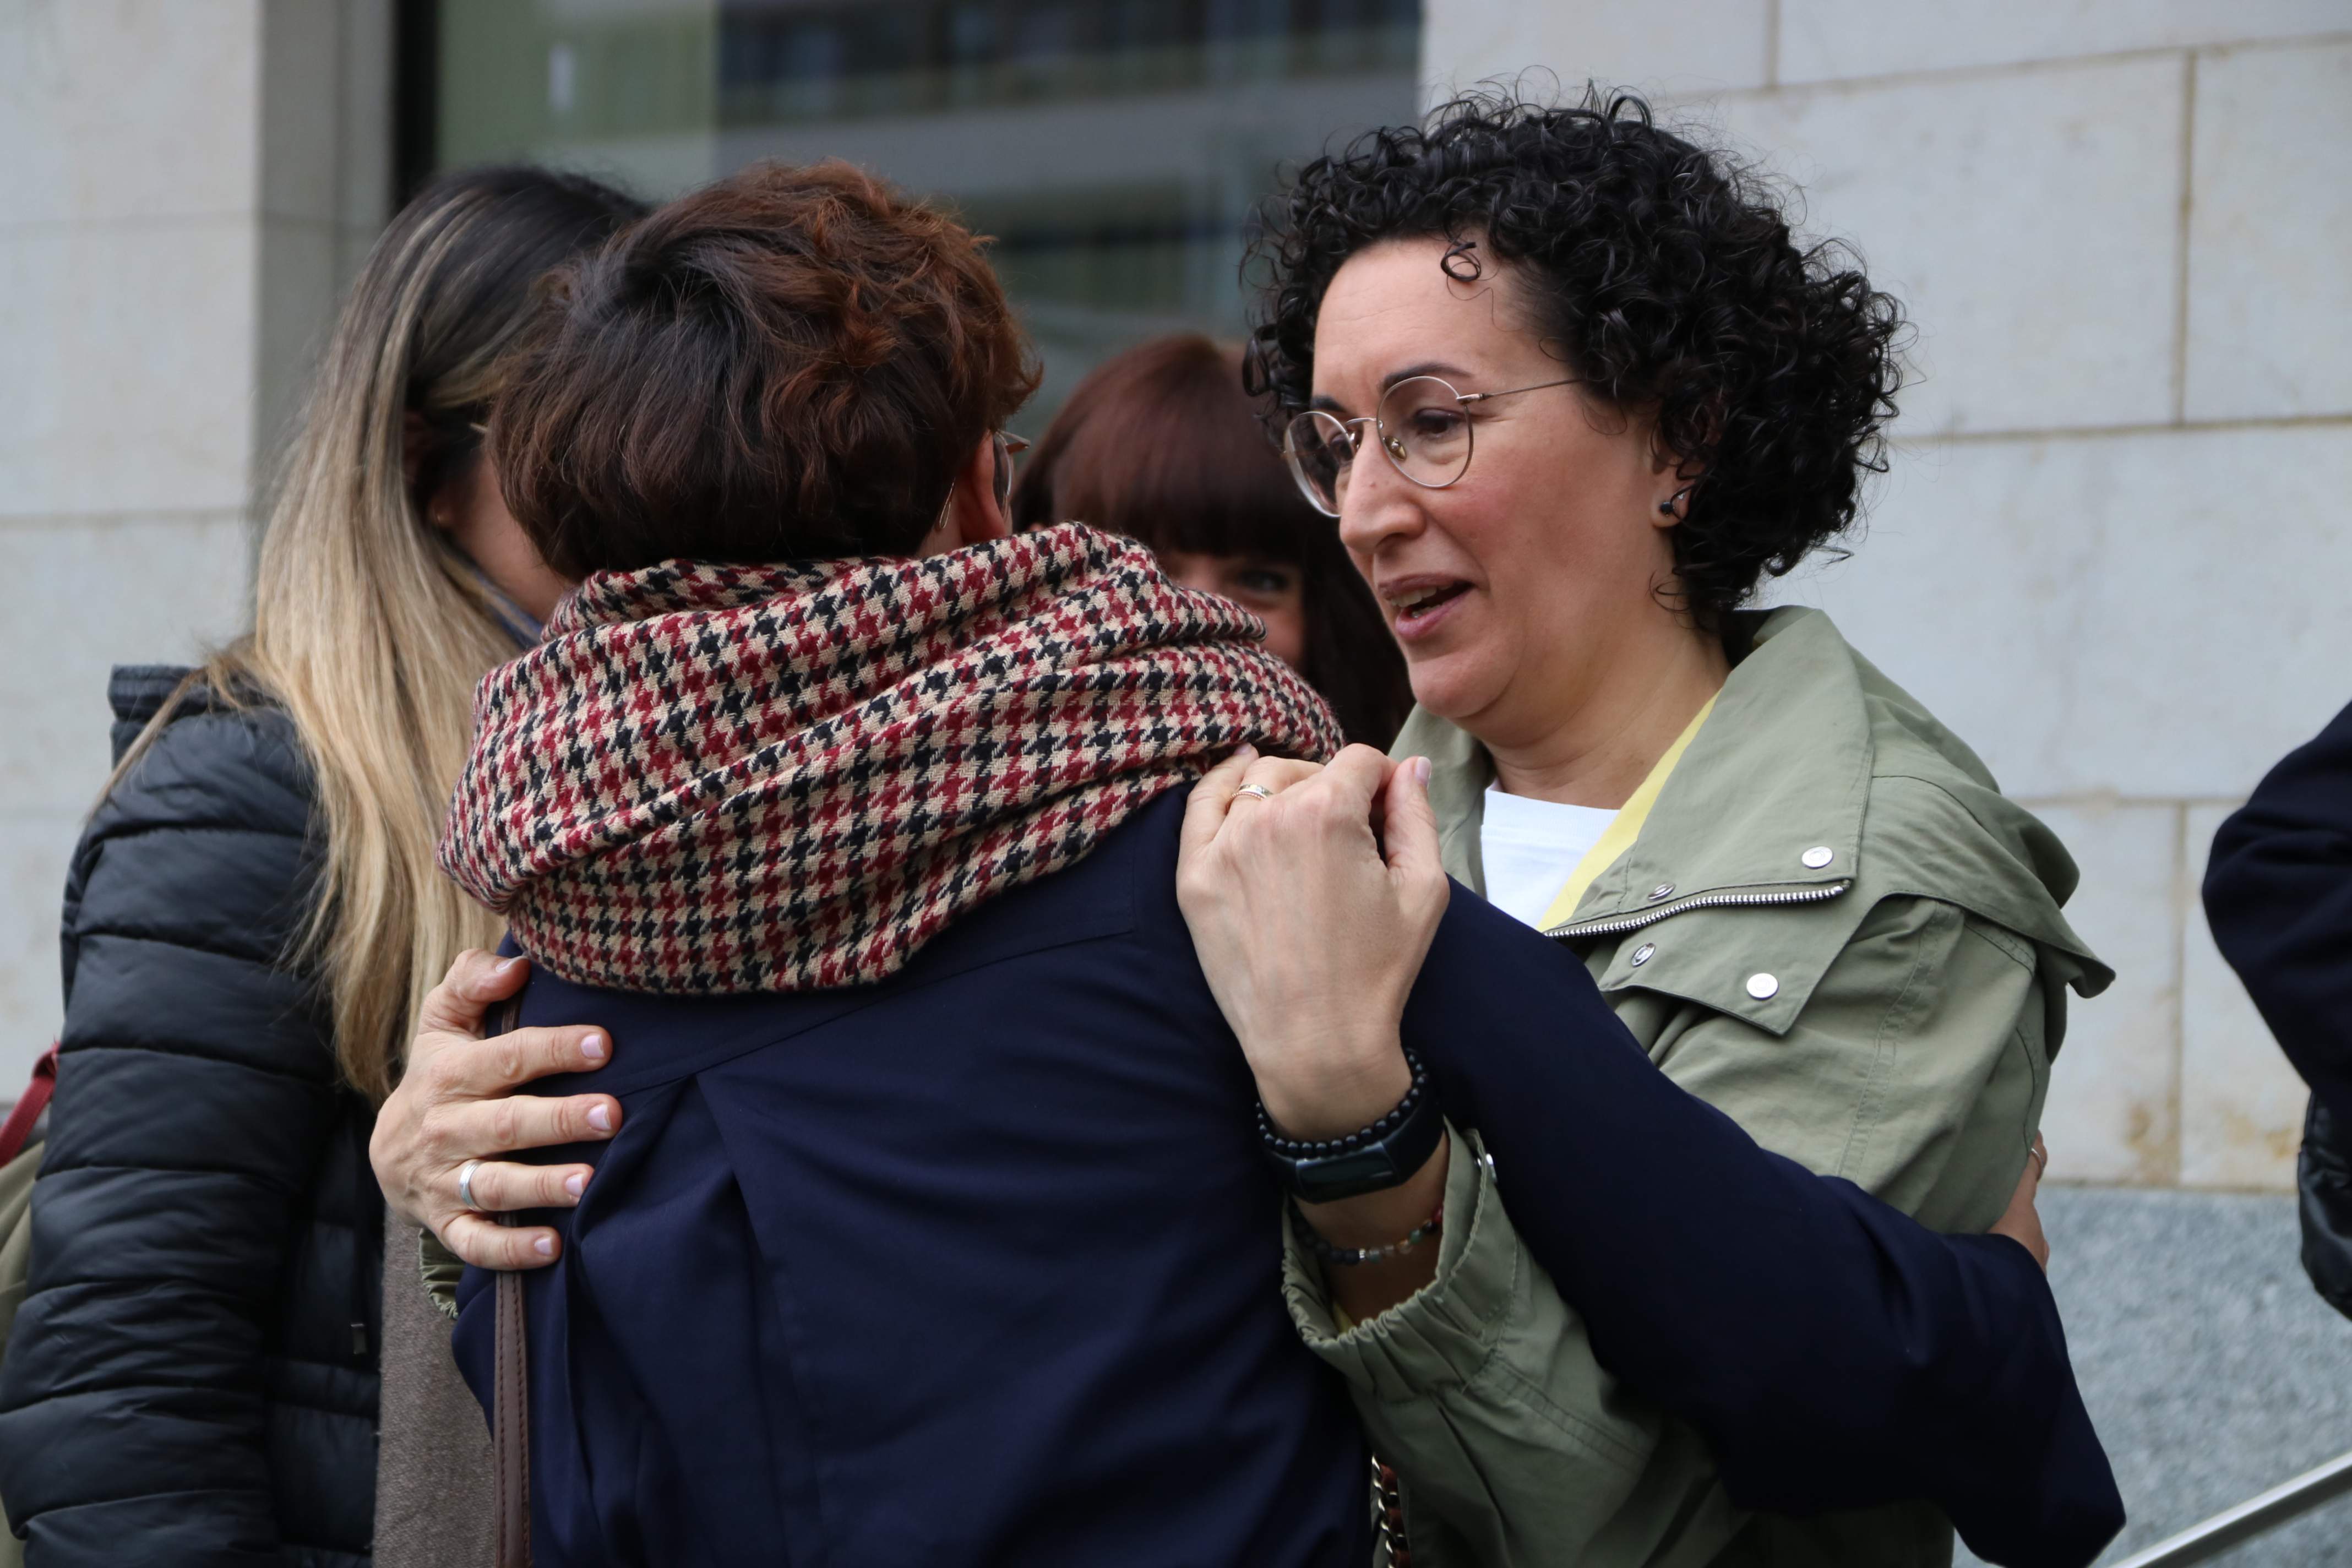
point(1161, 444)
point(789, 364)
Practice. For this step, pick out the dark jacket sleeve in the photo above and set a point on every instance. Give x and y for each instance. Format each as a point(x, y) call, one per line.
point(1832, 1352)
point(2278, 893)
point(194, 1096)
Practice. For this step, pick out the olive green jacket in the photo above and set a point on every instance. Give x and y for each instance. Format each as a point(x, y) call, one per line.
point(1886, 1011)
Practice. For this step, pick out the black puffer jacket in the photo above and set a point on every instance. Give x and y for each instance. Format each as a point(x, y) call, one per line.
point(187, 1385)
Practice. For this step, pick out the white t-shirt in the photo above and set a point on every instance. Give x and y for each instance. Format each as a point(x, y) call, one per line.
point(1529, 847)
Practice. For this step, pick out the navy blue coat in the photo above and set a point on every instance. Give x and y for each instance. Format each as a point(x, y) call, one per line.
point(980, 1265)
point(2278, 892)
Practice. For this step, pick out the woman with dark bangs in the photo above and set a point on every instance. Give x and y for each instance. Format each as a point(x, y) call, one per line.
point(1162, 445)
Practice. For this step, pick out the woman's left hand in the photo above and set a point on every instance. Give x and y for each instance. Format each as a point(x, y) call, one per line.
point(455, 1119)
point(1311, 929)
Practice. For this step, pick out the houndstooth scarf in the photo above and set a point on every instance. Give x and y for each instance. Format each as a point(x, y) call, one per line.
point(714, 778)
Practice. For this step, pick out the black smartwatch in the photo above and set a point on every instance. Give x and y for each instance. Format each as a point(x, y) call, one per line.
point(1385, 1154)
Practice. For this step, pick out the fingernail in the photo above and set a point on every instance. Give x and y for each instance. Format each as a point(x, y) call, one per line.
point(1420, 770)
point(593, 1047)
point(544, 1245)
point(576, 1183)
point(600, 1117)
point(1245, 750)
point(508, 966)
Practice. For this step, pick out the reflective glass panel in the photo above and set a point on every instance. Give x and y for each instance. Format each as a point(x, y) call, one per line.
point(1113, 148)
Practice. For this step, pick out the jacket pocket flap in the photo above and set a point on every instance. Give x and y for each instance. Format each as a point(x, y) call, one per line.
point(1760, 964)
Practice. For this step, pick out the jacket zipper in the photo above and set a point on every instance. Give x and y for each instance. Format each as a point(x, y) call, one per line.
point(1707, 901)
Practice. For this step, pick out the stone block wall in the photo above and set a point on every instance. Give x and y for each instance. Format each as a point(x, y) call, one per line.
point(185, 185)
point(2116, 549)
point(2113, 552)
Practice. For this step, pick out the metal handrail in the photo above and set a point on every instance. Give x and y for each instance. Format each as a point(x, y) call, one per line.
point(2231, 1527)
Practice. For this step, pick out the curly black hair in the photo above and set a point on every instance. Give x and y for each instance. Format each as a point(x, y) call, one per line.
point(1662, 271)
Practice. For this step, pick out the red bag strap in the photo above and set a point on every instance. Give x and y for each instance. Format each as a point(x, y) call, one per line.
point(30, 1106)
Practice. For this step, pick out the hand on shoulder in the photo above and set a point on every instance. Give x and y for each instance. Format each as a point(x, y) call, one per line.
point(1312, 895)
point(456, 1106)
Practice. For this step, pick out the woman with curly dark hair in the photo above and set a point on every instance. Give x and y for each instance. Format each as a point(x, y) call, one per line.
point(1571, 392)
point(1161, 444)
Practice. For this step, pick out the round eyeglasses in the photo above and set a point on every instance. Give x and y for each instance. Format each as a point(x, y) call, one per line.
point(1423, 425)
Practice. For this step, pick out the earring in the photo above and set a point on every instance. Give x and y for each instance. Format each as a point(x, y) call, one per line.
point(1666, 508)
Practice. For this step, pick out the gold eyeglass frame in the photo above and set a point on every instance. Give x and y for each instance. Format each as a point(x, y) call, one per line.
point(1352, 432)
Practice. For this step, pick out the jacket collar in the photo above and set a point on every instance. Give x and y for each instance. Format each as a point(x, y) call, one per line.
point(1768, 807)
point(1785, 757)
point(1778, 774)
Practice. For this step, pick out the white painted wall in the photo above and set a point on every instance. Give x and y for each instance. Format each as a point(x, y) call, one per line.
point(183, 186)
point(2116, 551)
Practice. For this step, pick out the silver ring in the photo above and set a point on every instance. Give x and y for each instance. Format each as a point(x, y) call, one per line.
point(2041, 1160)
point(1260, 791)
point(466, 1184)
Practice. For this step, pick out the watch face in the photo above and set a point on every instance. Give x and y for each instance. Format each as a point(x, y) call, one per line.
point(1359, 1171)
point(1372, 1166)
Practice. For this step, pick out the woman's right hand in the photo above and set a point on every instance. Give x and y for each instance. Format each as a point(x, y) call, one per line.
point(457, 1102)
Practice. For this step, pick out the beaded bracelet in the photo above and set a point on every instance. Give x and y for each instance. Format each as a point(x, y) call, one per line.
point(1306, 1149)
point(1309, 1237)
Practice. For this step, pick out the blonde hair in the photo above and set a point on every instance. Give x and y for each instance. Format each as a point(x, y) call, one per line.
point(368, 629)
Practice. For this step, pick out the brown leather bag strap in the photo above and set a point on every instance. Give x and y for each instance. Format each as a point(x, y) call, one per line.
point(510, 1426)
point(510, 1394)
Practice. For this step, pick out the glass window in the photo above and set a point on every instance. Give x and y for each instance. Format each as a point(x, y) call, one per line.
point(1115, 148)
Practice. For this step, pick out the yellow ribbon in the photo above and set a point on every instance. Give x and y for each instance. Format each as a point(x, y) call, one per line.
point(1612, 845)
